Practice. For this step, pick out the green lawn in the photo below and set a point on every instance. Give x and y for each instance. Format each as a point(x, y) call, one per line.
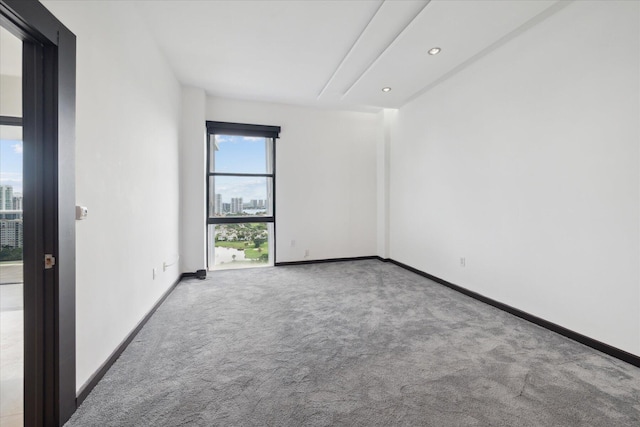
point(253, 253)
point(250, 252)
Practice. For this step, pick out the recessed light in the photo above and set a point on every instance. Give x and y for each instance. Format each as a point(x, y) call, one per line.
point(386, 89)
point(434, 51)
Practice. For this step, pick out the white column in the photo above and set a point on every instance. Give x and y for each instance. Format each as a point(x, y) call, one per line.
point(192, 181)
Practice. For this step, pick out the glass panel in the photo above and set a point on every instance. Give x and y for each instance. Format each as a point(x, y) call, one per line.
point(240, 196)
point(11, 236)
point(240, 245)
point(240, 154)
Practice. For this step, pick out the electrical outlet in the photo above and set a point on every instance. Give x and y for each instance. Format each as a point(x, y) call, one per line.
point(154, 274)
point(463, 262)
point(306, 253)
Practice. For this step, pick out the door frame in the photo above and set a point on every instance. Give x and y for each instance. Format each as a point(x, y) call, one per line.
point(49, 66)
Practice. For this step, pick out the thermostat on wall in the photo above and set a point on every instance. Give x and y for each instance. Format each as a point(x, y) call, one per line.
point(81, 212)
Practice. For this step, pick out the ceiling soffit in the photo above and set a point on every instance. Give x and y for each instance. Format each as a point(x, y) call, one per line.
point(463, 29)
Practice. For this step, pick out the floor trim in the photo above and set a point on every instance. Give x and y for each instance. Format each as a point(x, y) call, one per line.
point(583, 339)
point(97, 376)
point(322, 261)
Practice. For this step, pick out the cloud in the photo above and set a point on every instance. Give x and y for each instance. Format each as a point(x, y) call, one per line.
point(237, 138)
point(12, 179)
point(223, 138)
point(12, 176)
point(17, 148)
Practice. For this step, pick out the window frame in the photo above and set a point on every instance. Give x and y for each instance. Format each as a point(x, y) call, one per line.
point(241, 129)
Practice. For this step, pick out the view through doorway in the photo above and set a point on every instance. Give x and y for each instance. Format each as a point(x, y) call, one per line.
point(11, 233)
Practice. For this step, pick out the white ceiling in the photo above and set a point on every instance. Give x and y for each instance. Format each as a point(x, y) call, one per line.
point(330, 53)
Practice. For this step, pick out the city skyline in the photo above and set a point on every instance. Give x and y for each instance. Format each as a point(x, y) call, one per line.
point(241, 154)
point(237, 205)
point(11, 225)
point(11, 164)
point(9, 199)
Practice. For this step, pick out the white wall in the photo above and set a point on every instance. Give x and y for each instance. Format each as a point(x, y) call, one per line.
point(326, 178)
point(127, 174)
point(10, 104)
point(527, 164)
point(193, 245)
point(11, 100)
point(389, 120)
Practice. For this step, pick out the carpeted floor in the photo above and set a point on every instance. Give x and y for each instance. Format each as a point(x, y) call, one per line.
point(361, 343)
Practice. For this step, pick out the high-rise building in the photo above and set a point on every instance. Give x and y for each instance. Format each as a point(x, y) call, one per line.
point(6, 197)
point(17, 202)
point(236, 205)
point(11, 227)
point(254, 204)
point(11, 233)
point(218, 205)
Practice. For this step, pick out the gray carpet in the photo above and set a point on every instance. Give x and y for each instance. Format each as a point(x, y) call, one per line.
point(361, 343)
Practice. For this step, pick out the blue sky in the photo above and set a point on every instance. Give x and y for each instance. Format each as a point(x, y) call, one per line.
point(236, 154)
point(240, 154)
point(11, 164)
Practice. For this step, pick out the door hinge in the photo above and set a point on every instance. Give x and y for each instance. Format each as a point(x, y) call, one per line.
point(49, 261)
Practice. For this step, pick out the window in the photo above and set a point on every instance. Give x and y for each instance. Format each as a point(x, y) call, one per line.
point(240, 195)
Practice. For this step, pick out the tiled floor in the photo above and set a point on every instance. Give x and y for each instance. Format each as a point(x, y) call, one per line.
point(11, 355)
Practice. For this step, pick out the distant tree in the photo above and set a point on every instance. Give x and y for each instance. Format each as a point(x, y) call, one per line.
point(10, 254)
point(258, 241)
